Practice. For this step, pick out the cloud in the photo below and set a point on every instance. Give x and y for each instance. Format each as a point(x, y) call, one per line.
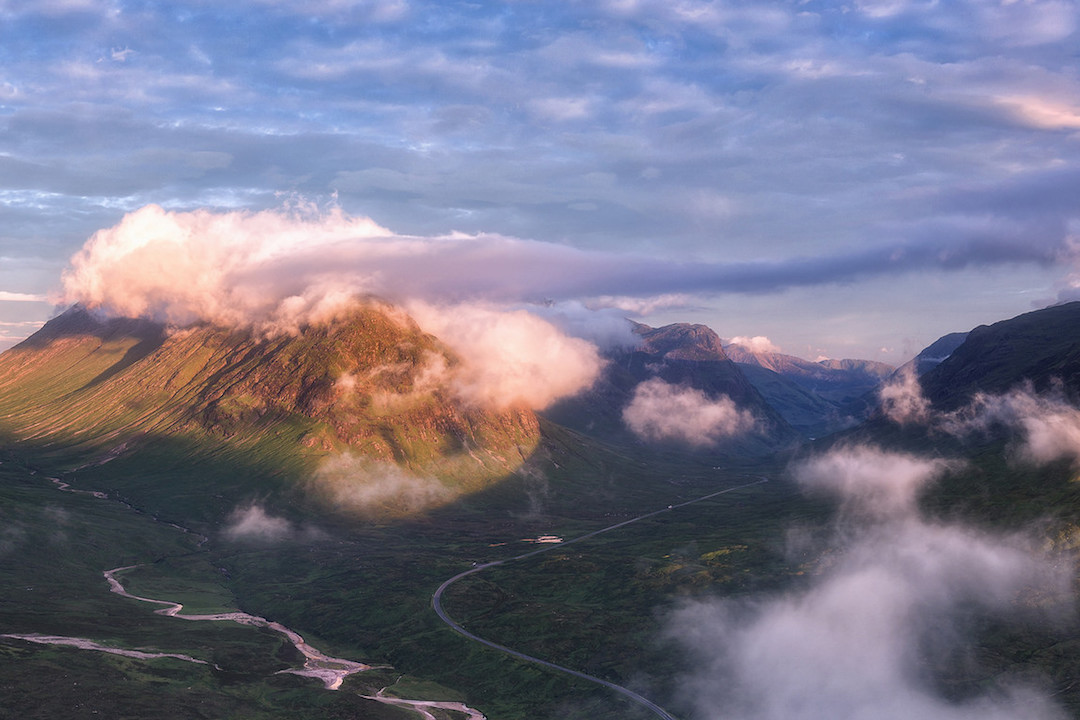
point(253, 523)
point(902, 400)
point(603, 326)
point(860, 641)
point(278, 265)
point(660, 411)
point(756, 344)
point(869, 481)
point(6, 296)
point(1049, 425)
point(510, 357)
point(371, 488)
point(276, 270)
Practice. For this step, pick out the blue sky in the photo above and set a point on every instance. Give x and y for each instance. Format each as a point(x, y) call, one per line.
point(849, 179)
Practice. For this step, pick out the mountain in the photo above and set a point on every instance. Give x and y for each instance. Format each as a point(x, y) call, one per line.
point(933, 354)
point(1041, 347)
point(806, 411)
point(836, 381)
point(816, 398)
point(682, 355)
point(361, 384)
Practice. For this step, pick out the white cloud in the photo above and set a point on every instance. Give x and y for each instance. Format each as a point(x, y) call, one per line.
point(255, 524)
point(870, 481)
point(510, 357)
point(660, 411)
point(756, 344)
point(378, 489)
point(1049, 425)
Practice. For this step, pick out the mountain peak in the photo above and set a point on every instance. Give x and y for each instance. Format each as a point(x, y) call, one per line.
point(682, 341)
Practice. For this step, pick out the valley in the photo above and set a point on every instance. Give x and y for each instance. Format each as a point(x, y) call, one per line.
point(217, 517)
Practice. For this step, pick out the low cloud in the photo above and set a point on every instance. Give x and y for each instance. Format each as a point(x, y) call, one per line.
point(660, 411)
point(902, 399)
point(279, 266)
point(860, 642)
point(510, 357)
point(253, 523)
point(858, 477)
point(378, 489)
point(1049, 426)
point(756, 344)
point(602, 326)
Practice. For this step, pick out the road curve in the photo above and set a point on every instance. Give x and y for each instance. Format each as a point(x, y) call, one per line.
point(436, 603)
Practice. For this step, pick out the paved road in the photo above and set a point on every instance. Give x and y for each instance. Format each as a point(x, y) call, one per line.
point(436, 602)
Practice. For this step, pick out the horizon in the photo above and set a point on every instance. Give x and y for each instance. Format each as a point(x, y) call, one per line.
point(847, 181)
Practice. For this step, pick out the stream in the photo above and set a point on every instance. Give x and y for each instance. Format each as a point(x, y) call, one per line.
point(331, 671)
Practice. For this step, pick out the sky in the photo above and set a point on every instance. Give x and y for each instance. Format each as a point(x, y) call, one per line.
point(848, 179)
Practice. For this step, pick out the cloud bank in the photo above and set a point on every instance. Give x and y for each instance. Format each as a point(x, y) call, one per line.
point(278, 266)
point(659, 411)
point(858, 642)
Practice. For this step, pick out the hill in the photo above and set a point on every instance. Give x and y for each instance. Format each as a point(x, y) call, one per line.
point(192, 454)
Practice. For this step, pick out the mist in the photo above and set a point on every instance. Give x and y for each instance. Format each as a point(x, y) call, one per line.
point(1047, 426)
point(370, 488)
point(886, 605)
point(902, 400)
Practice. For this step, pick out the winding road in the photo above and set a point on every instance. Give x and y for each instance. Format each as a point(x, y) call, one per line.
point(436, 602)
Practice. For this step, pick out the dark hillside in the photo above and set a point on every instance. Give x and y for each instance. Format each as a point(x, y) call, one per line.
point(1041, 347)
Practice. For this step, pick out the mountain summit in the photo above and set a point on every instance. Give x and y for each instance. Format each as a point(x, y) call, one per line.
point(370, 383)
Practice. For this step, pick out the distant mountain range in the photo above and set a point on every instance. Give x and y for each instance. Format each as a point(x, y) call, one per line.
point(816, 398)
point(681, 355)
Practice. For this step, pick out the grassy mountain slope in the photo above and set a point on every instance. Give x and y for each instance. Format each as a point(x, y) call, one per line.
point(98, 389)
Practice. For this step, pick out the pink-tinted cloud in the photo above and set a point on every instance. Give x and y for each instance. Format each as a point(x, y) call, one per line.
point(660, 411)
